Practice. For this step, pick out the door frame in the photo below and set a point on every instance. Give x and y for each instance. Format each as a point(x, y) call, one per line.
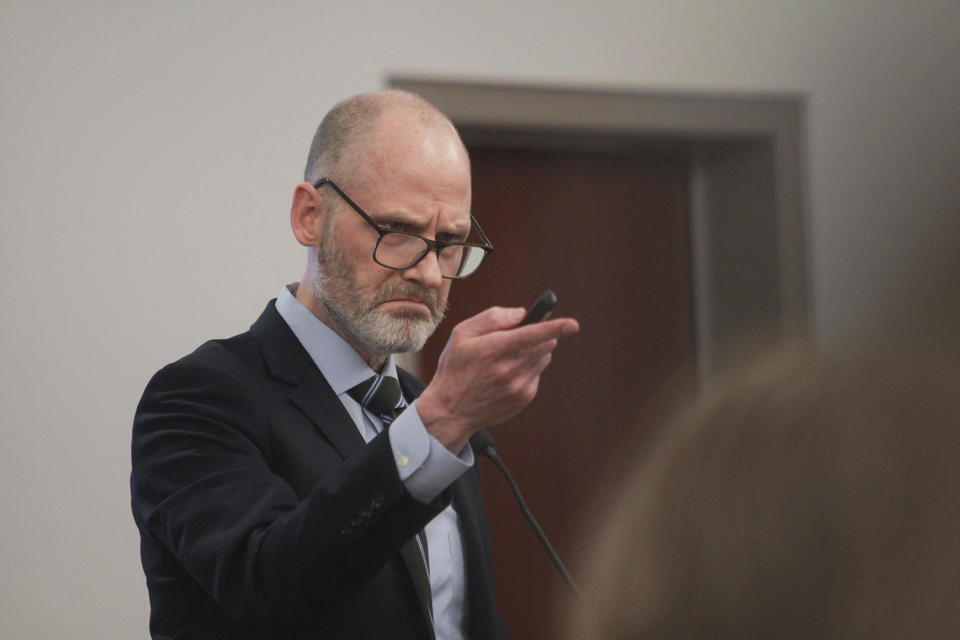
point(748, 189)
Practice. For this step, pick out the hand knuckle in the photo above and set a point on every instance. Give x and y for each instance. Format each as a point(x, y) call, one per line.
point(517, 388)
point(495, 373)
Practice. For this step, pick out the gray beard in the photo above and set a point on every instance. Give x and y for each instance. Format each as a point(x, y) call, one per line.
point(357, 318)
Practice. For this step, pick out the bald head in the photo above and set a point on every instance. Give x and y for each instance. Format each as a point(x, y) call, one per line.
point(343, 139)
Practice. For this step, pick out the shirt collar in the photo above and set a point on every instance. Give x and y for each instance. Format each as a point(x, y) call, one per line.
point(339, 363)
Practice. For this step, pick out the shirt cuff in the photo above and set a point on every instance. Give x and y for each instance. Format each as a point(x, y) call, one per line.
point(426, 467)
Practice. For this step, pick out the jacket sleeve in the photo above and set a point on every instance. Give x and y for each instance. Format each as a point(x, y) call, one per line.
point(203, 487)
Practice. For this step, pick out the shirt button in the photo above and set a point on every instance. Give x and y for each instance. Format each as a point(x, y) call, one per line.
point(402, 460)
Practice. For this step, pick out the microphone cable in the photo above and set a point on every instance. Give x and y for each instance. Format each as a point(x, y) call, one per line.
point(482, 442)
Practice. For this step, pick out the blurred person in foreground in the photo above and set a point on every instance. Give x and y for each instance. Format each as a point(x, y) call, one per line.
point(814, 493)
point(272, 499)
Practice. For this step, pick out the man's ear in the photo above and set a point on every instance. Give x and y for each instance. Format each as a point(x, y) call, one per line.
point(307, 215)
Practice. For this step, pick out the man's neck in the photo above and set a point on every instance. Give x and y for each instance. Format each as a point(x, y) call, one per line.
point(304, 295)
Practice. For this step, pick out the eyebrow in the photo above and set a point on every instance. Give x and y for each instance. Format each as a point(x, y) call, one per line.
point(456, 229)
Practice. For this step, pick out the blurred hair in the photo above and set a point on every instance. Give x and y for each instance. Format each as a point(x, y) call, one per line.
point(810, 493)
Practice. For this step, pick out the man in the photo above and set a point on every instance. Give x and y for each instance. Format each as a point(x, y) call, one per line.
point(272, 501)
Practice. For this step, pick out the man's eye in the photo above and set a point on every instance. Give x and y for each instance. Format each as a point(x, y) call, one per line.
point(450, 237)
point(394, 226)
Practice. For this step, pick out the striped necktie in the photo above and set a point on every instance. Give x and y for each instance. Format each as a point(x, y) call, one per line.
point(381, 396)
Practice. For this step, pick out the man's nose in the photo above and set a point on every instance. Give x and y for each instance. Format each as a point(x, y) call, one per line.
point(426, 271)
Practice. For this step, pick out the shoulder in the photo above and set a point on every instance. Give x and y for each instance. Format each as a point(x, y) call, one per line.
point(213, 395)
point(235, 358)
point(238, 358)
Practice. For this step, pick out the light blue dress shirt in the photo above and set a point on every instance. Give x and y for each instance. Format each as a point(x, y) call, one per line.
point(425, 466)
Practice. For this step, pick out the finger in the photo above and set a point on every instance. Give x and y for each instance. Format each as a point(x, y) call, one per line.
point(529, 364)
point(542, 364)
point(490, 320)
point(532, 379)
point(532, 334)
point(536, 351)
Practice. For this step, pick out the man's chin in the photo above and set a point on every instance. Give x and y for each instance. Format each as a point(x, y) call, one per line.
point(403, 331)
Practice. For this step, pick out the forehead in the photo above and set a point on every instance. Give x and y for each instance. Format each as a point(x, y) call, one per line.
point(415, 167)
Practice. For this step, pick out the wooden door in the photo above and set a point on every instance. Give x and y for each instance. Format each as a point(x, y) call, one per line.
point(609, 234)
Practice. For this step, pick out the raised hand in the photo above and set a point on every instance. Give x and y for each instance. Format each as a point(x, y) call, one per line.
point(489, 370)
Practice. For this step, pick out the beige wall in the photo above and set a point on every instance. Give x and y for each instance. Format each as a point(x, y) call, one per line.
point(149, 155)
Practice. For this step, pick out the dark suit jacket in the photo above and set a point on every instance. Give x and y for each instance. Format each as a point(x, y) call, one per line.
point(263, 514)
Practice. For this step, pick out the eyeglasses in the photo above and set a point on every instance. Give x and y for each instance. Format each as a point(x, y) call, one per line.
point(401, 250)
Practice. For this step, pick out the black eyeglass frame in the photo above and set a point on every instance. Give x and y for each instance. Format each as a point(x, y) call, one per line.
point(432, 245)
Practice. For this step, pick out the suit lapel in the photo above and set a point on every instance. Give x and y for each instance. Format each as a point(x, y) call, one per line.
point(287, 360)
point(411, 386)
point(410, 552)
point(319, 403)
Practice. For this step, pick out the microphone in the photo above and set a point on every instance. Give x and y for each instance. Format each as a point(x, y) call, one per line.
point(482, 442)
